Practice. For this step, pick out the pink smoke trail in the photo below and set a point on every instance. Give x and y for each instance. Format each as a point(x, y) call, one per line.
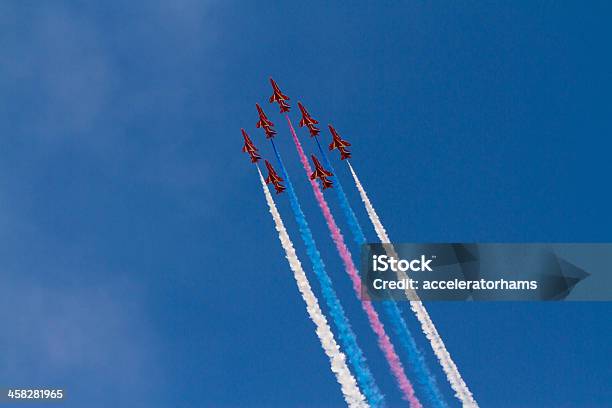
point(383, 340)
point(448, 365)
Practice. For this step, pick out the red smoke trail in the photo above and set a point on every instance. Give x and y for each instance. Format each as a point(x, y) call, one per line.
point(383, 340)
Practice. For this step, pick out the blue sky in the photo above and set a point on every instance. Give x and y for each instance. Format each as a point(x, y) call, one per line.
point(139, 264)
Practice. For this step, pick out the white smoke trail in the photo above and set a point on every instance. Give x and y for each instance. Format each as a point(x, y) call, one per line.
point(348, 384)
point(461, 389)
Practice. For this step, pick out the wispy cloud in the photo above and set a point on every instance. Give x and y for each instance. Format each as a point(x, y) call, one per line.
point(107, 84)
point(63, 323)
point(111, 83)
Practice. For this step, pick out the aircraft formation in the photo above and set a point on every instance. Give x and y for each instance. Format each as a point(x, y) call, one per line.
point(307, 120)
point(347, 360)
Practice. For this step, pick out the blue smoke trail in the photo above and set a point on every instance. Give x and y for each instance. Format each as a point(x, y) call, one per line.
point(425, 379)
point(345, 332)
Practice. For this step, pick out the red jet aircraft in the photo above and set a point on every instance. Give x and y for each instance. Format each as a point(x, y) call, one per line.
point(308, 121)
point(274, 178)
point(339, 144)
point(320, 173)
point(279, 97)
point(265, 123)
point(249, 147)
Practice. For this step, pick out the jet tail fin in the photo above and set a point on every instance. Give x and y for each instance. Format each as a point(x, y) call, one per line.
point(283, 106)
